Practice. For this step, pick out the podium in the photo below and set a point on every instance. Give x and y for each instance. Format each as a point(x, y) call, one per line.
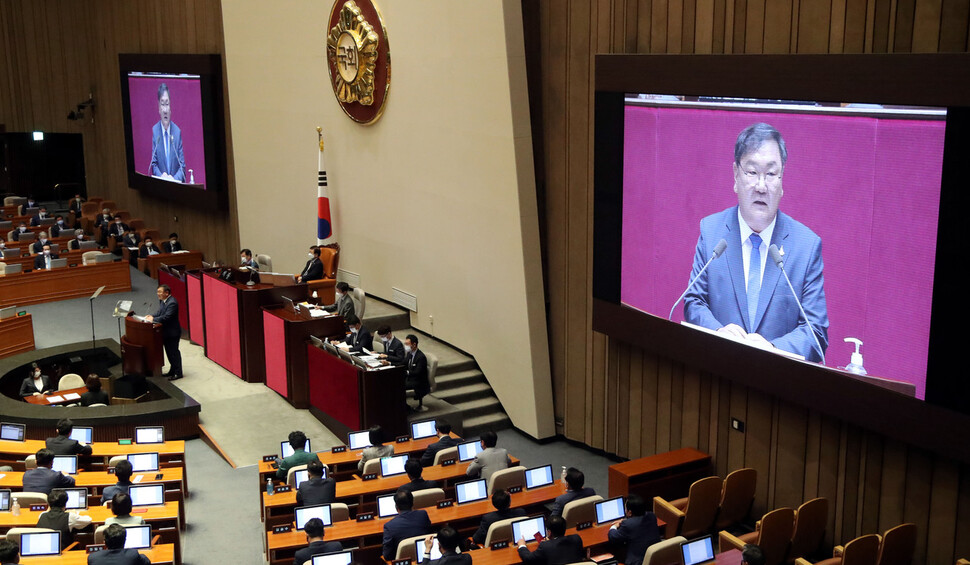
point(285, 334)
point(141, 348)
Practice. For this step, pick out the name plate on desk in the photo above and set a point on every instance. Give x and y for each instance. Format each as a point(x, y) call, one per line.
point(401, 562)
point(282, 488)
point(369, 477)
point(269, 458)
point(584, 525)
point(499, 545)
point(448, 462)
point(94, 547)
point(445, 503)
point(513, 490)
point(365, 516)
point(282, 529)
point(403, 439)
point(38, 507)
point(338, 449)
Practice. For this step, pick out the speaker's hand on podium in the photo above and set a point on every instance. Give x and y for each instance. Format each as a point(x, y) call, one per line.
point(149, 318)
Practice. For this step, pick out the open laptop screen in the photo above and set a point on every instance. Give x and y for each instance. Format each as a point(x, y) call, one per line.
point(82, 434)
point(435, 550)
point(470, 491)
point(65, 464)
point(385, 506)
point(391, 466)
point(609, 510)
point(40, 543)
point(12, 432)
point(150, 434)
point(341, 558)
point(286, 449)
point(538, 476)
point(423, 429)
point(4, 500)
point(147, 495)
point(138, 537)
point(359, 440)
point(77, 498)
point(304, 514)
point(468, 450)
point(698, 551)
point(527, 528)
point(141, 462)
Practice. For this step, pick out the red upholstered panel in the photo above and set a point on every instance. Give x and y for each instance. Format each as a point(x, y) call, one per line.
point(334, 388)
point(196, 316)
point(274, 340)
point(222, 324)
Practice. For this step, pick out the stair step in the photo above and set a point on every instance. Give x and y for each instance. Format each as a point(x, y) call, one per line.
point(460, 379)
point(474, 426)
point(479, 406)
point(466, 364)
point(465, 393)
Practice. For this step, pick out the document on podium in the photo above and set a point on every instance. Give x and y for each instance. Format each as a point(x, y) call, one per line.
point(139, 318)
point(755, 345)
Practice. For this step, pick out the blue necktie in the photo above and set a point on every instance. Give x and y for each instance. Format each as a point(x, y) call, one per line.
point(754, 279)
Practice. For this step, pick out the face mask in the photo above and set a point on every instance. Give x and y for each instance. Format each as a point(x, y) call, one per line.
point(80, 236)
point(353, 330)
point(36, 374)
point(47, 252)
point(172, 241)
point(243, 260)
point(385, 339)
point(407, 349)
point(310, 255)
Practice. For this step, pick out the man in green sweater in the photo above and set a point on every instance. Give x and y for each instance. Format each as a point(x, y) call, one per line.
point(299, 457)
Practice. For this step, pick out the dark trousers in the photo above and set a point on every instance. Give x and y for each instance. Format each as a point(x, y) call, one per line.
point(174, 356)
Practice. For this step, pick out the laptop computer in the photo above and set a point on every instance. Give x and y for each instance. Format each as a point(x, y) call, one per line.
point(138, 537)
point(11, 253)
point(423, 429)
point(150, 434)
point(528, 529)
point(5, 500)
point(385, 506)
point(391, 466)
point(104, 258)
point(12, 432)
point(82, 434)
point(147, 495)
point(435, 550)
point(77, 498)
point(468, 450)
point(58, 263)
point(36, 544)
point(471, 491)
point(13, 269)
point(142, 462)
point(698, 551)
point(609, 510)
point(359, 440)
point(339, 558)
point(87, 245)
point(538, 477)
point(306, 513)
point(286, 449)
point(65, 464)
point(8, 312)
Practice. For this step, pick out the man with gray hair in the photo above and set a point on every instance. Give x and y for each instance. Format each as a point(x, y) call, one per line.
point(745, 295)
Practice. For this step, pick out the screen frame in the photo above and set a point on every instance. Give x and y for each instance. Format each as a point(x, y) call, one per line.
point(56, 533)
point(21, 427)
point(433, 424)
point(137, 428)
point(551, 476)
point(296, 522)
point(598, 504)
point(918, 79)
point(314, 559)
point(158, 462)
point(474, 442)
point(530, 539)
point(215, 197)
point(84, 498)
point(152, 485)
point(139, 526)
point(386, 496)
point(90, 433)
point(401, 472)
point(458, 499)
point(73, 458)
point(350, 440)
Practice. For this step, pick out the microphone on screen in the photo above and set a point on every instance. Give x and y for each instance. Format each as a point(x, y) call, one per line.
point(718, 250)
point(777, 258)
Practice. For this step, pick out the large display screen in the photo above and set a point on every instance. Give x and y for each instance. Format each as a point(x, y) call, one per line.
point(844, 191)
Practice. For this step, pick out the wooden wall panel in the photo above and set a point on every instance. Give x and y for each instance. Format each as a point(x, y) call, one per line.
point(659, 404)
point(55, 53)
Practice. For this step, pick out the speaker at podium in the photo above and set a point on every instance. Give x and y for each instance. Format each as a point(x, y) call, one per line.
point(141, 347)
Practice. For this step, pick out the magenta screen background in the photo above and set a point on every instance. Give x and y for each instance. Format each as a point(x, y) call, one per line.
point(186, 98)
point(870, 188)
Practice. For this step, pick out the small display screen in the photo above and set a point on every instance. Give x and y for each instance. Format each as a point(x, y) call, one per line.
point(538, 476)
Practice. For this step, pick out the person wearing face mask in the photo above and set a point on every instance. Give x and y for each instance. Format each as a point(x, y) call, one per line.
point(30, 203)
point(344, 305)
point(313, 270)
point(75, 205)
point(36, 383)
point(246, 260)
point(130, 239)
point(104, 219)
point(43, 260)
point(78, 238)
point(41, 215)
point(359, 338)
point(416, 369)
point(172, 245)
point(38, 245)
point(22, 228)
point(393, 348)
point(118, 229)
point(58, 226)
point(148, 248)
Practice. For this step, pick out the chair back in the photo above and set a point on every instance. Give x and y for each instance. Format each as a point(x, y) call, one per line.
point(426, 498)
point(13, 534)
point(810, 520)
point(500, 530)
point(291, 474)
point(862, 550)
point(110, 205)
point(737, 496)
point(360, 302)
point(328, 256)
point(702, 504)
point(30, 462)
point(580, 510)
point(447, 453)
point(28, 498)
point(339, 512)
point(13, 200)
point(6, 224)
point(372, 466)
point(125, 215)
point(69, 381)
point(90, 209)
point(898, 545)
point(432, 370)
point(775, 534)
point(89, 257)
point(265, 262)
point(113, 462)
point(664, 552)
point(405, 548)
point(99, 534)
point(136, 224)
point(511, 477)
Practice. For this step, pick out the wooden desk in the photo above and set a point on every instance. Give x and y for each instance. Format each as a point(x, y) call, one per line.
point(56, 397)
point(285, 334)
point(27, 262)
point(160, 554)
point(665, 474)
point(60, 284)
point(189, 260)
point(16, 335)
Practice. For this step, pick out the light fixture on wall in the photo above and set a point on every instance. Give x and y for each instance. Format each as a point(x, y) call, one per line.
point(78, 114)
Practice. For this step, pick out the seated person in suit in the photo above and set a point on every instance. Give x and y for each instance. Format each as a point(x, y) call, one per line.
point(413, 468)
point(502, 502)
point(751, 554)
point(148, 248)
point(121, 508)
point(130, 239)
point(58, 226)
point(637, 531)
point(9, 552)
point(38, 246)
point(315, 532)
point(344, 304)
point(557, 548)
point(408, 523)
point(22, 228)
point(313, 270)
point(94, 395)
point(359, 338)
point(246, 259)
point(393, 348)
point(415, 370)
point(316, 489)
point(114, 552)
point(35, 383)
point(377, 448)
point(173, 244)
point(117, 229)
point(104, 219)
point(43, 478)
point(43, 261)
point(41, 215)
point(75, 205)
point(448, 541)
point(78, 238)
point(123, 471)
point(30, 203)
point(62, 444)
point(575, 479)
point(444, 442)
point(490, 459)
point(58, 518)
point(299, 457)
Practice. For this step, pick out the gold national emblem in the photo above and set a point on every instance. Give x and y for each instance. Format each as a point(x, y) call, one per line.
point(359, 60)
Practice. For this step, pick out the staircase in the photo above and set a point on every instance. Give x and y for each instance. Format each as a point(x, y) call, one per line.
point(461, 384)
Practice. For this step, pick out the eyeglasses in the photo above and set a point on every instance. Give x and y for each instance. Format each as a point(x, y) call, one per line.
point(770, 178)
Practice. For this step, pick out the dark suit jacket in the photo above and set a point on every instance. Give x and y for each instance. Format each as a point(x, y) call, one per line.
point(56, 229)
point(75, 206)
point(343, 306)
point(131, 240)
point(563, 499)
point(16, 234)
point(427, 458)
point(39, 262)
point(143, 252)
point(101, 219)
point(454, 559)
point(64, 445)
point(35, 220)
point(312, 271)
point(168, 316)
point(417, 484)
point(172, 162)
point(117, 229)
point(395, 352)
point(416, 372)
point(169, 248)
point(361, 340)
point(109, 492)
point(406, 524)
point(44, 479)
point(74, 243)
point(638, 533)
point(492, 517)
point(88, 398)
point(27, 386)
point(559, 551)
point(38, 246)
point(316, 548)
point(316, 490)
point(118, 557)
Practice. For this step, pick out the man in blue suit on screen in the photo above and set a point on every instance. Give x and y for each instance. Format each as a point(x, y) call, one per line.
point(745, 294)
point(168, 161)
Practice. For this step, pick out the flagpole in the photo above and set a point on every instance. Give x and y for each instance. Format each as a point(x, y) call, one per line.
point(325, 231)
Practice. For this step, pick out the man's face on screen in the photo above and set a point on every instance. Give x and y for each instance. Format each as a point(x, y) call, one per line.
point(165, 109)
point(757, 182)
